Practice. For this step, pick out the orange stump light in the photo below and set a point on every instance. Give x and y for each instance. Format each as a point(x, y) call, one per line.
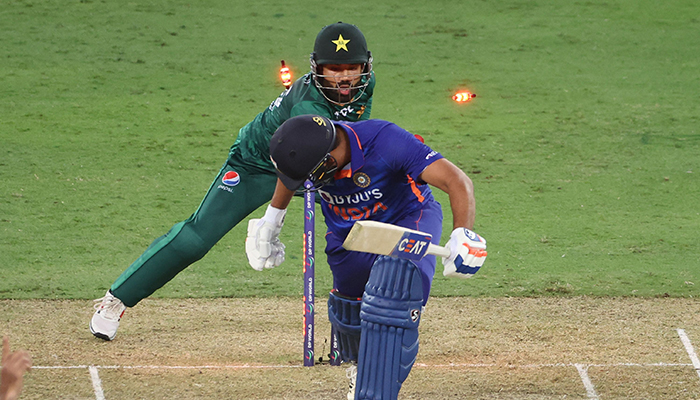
point(463, 97)
point(285, 75)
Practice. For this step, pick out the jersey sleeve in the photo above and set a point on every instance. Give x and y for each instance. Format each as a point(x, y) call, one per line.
point(402, 151)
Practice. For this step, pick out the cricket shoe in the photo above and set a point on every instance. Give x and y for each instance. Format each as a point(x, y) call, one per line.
point(351, 373)
point(108, 312)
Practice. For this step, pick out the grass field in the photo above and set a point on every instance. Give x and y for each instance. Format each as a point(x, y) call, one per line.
point(583, 145)
point(582, 142)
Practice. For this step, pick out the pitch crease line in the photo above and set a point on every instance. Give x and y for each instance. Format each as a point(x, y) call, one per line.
point(590, 389)
point(691, 351)
point(96, 383)
point(417, 365)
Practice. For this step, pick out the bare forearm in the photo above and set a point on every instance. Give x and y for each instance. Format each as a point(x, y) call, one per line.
point(462, 203)
point(450, 179)
point(282, 196)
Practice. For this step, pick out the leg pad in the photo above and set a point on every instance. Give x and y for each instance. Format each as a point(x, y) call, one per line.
point(390, 314)
point(344, 315)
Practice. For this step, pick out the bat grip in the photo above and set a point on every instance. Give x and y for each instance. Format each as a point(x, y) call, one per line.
point(438, 250)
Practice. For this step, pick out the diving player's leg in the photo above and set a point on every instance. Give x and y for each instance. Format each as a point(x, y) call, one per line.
point(234, 194)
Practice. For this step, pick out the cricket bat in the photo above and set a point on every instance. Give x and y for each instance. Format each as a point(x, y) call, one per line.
point(391, 240)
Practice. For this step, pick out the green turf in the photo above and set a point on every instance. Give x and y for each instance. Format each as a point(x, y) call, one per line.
point(583, 142)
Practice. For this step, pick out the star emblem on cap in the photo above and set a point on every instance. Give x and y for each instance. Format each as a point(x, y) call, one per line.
point(340, 43)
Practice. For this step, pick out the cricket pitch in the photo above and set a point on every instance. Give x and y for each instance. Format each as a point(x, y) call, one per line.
point(476, 348)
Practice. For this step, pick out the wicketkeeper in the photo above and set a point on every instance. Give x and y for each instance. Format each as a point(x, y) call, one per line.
point(371, 170)
point(339, 86)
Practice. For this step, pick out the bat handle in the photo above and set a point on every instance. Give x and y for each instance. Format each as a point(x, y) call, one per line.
point(438, 250)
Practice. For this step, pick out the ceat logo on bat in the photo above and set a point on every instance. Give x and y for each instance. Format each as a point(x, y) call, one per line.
point(412, 246)
point(231, 178)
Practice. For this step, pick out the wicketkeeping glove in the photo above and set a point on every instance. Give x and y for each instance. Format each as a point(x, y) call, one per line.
point(262, 245)
point(467, 253)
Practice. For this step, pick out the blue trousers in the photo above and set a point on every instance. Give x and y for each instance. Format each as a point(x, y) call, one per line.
point(351, 269)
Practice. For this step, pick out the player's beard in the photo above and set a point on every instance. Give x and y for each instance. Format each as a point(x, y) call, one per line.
point(342, 92)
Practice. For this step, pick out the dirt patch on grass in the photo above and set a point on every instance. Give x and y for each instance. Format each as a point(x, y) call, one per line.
point(514, 348)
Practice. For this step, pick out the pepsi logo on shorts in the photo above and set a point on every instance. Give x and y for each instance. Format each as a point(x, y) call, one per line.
point(231, 178)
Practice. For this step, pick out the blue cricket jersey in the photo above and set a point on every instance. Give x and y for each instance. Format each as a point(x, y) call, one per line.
point(381, 182)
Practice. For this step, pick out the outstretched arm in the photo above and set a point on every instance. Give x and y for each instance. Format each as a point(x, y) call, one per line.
point(467, 249)
point(447, 177)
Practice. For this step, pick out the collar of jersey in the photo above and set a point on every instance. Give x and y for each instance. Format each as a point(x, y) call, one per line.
point(357, 158)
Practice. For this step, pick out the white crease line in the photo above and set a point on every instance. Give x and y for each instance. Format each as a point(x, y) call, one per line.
point(465, 365)
point(689, 348)
point(453, 365)
point(244, 366)
point(590, 389)
point(416, 365)
point(96, 383)
point(660, 364)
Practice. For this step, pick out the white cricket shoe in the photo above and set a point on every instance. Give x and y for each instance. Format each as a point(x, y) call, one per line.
point(108, 312)
point(351, 373)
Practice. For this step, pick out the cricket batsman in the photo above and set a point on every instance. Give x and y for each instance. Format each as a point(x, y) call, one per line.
point(371, 170)
point(338, 87)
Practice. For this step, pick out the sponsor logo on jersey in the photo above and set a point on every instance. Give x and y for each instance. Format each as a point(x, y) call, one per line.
point(431, 155)
point(278, 101)
point(325, 196)
point(355, 206)
point(358, 213)
point(355, 198)
point(231, 178)
point(361, 179)
point(345, 111)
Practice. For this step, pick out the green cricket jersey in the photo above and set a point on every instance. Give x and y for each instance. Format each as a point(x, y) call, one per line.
point(228, 202)
point(303, 97)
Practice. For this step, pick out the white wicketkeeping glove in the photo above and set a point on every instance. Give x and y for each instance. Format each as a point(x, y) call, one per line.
point(467, 253)
point(262, 245)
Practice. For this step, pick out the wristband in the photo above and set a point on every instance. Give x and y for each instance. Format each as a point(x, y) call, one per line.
point(274, 215)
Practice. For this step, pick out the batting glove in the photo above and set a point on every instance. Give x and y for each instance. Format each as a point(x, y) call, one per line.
point(262, 245)
point(467, 254)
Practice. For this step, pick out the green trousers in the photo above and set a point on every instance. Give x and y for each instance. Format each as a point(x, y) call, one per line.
point(229, 200)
